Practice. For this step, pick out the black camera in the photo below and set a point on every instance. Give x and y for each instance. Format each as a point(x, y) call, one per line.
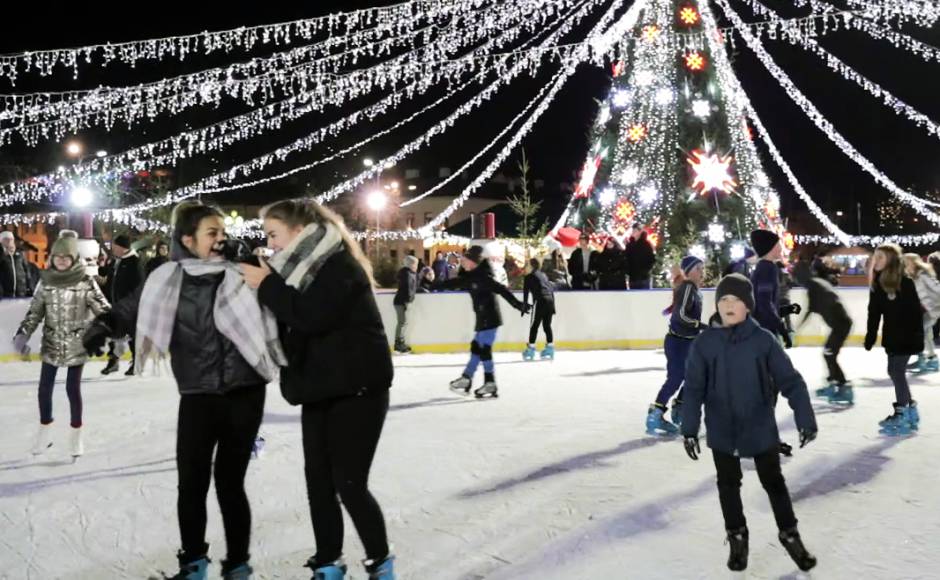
point(237, 251)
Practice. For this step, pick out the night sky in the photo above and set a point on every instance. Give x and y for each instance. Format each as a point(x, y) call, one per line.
point(557, 147)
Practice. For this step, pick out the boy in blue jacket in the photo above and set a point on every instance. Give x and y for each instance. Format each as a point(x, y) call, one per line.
point(733, 370)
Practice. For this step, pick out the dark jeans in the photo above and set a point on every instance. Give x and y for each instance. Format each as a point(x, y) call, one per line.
point(840, 332)
point(73, 388)
point(543, 316)
point(401, 315)
point(677, 350)
point(229, 422)
point(340, 437)
point(130, 347)
point(729, 488)
point(640, 284)
point(897, 370)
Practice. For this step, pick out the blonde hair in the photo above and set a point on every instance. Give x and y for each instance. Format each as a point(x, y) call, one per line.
point(918, 263)
point(890, 276)
point(305, 212)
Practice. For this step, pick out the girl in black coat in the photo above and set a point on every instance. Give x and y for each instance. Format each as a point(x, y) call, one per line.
point(893, 297)
point(339, 369)
point(543, 295)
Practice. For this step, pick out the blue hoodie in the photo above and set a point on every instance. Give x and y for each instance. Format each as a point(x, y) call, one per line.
point(733, 371)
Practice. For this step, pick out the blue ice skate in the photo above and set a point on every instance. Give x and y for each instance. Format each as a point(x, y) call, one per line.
point(196, 570)
point(927, 365)
point(826, 391)
point(676, 413)
point(913, 415)
point(914, 366)
point(842, 395)
point(528, 353)
point(899, 423)
point(381, 570)
point(548, 352)
point(332, 571)
point(656, 424)
point(243, 572)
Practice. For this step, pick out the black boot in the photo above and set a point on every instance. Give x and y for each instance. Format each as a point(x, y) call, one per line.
point(737, 555)
point(130, 370)
point(111, 367)
point(794, 545)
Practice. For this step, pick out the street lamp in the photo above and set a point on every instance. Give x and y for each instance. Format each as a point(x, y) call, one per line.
point(376, 201)
point(101, 153)
point(81, 196)
point(73, 148)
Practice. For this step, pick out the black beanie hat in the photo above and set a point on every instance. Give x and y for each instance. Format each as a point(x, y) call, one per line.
point(763, 241)
point(122, 241)
point(474, 254)
point(736, 285)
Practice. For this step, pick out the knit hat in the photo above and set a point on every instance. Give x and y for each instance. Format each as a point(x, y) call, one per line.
point(689, 263)
point(736, 285)
point(65, 246)
point(763, 242)
point(6, 235)
point(474, 254)
point(122, 240)
point(68, 234)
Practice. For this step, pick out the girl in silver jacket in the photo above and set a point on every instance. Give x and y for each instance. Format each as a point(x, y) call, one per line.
point(65, 302)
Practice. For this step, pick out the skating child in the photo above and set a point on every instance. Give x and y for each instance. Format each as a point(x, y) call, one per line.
point(893, 297)
point(64, 302)
point(730, 369)
point(478, 279)
point(685, 322)
point(543, 296)
point(766, 283)
point(407, 287)
point(928, 290)
point(825, 301)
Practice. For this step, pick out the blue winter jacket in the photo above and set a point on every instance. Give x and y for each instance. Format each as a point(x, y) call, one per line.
point(686, 318)
point(766, 282)
point(734, 371)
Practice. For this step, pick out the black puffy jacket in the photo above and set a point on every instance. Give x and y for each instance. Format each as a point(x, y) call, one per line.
point(483, 289)
point(202, 359)
point(903, 329)
point(332, 333)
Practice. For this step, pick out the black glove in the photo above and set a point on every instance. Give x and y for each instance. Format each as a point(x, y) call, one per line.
point(787, 340)
point(525, 309)
point(806, 436)
point(785, 449)
point(790, 309)
point(869, 343)
point(97, 335)
point(692, 448)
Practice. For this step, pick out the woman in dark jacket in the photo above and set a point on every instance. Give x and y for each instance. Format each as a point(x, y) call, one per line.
point(893, 297)
point(223, 351)
point(339, 369)
point(612, 267)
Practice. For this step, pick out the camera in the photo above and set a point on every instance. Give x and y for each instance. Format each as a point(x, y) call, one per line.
point(237, 251)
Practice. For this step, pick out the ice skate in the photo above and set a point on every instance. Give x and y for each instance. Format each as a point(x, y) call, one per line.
point(381, 570)
point(842, 395)
point(130, 370)
point(111, 367)
point(75, 443)
point(195, 570)
point(243, 572)
point(927, 365)
point(461, 385)
point(548, 352)
point(402, 348)
point(827, 391)
point(900, 422)
point(656, 423)
point(676, 413)
point(914, 366)
point(529, 353)
point(913, 414)
point(488, 390)
point(43, 439)
point(794, 546)
point(737, 549)
point(332, 571)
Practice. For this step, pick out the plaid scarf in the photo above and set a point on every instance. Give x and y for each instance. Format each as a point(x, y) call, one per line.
point(237, 313)
point(300, 261)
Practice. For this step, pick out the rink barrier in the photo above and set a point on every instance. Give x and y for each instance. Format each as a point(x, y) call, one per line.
point(442, 322)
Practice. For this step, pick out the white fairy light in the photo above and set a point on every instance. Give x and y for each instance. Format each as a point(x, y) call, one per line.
point(604, 117)
point(645, 78)
point(648, 195)
point(664, 96)
point(736, 251)
point(701, 108)
point(630, 175)
point(621, 98)
point(607, 196)
point(699, 251)
point(716, 233)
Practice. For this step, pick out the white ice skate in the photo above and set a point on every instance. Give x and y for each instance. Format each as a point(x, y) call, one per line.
point(461, 385)
point(43, 439)
point(76, 445)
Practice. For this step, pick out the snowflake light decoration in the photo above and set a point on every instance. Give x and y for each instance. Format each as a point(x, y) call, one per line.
point(648, 194)
point(651, 32)
point(630, 175)
point(688, 15)
point(701, 108)
point(624, 211)
point(695, 61)
point(636, 133)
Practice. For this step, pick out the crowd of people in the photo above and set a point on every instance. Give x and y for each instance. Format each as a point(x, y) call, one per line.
point(231, 327)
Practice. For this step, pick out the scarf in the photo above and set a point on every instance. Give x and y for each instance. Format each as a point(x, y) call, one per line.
point(237, 313)
point(63, 278)
point(300, 261)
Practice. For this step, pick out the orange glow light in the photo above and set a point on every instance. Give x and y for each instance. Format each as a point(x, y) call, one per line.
point(695, 61)
point(688, 15)
point(636, 133)
point(624, 211)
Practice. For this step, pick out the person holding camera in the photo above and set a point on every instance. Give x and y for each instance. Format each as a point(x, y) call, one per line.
point(224, 349)
point(320, 287)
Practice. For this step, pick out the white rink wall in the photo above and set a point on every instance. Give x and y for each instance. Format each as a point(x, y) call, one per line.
point(443, 322)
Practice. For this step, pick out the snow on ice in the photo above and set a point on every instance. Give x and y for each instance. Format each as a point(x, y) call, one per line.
point(554, 480)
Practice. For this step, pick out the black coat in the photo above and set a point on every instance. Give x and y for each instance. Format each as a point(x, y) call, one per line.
point(612, 269)
point(483, 289)
point(903, 330)
point(202, 359)
point(576, 269)
point(154, 263)
point(407, 286)
point(543, 295)
point(14, 276)
point(125, 278)
point(640, 258)
point(332, 333)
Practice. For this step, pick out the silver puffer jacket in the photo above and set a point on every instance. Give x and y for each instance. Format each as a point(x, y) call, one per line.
point(65, 313)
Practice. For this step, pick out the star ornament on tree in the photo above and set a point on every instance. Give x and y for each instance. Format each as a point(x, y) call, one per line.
point(695, 61)
point(624, 211)
point(651, 32)
point(688, 15)
point(636, 133)
point(711, 172)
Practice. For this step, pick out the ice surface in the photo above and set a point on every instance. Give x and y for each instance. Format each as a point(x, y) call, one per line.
point(555, 479)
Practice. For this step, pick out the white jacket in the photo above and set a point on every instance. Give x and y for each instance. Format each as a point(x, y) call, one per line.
point(928, 290)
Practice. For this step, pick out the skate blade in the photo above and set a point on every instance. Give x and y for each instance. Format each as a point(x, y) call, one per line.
point(460, 391)
point(661, 433)
point(487, 396)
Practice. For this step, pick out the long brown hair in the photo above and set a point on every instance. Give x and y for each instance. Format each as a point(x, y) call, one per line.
point(890, 276)
point(305, 212)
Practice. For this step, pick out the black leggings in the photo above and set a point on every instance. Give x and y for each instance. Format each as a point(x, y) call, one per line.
point(897, 370)
point(340, 438)
point(73, 388)
point(840, 332)
point(543, 316)
point(729, 488)
point(229, 422)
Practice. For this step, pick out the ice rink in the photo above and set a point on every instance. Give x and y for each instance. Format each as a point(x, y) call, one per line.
point(554, 480)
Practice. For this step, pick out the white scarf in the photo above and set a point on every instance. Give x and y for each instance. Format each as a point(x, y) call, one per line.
point(237, 313)
point(300, 261)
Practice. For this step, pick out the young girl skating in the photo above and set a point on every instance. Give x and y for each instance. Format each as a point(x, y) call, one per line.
point(928, 290)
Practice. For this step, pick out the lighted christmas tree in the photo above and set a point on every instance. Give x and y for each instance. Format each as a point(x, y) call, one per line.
point(672, 147)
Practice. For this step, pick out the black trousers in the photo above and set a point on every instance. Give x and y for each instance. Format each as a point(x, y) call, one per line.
point(729, 488)
point(226, 425)
point(543, 316)
point(840, 332)
point(340, 437)
point(897, 370)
